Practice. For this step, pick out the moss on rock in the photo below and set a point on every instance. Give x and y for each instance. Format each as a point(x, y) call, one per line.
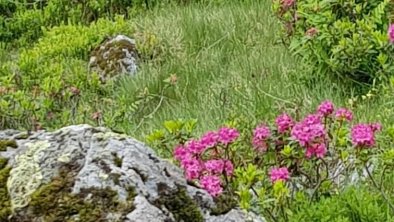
point(5, 203)
point(55, 202)
point(7, 143)
point(3, 162)
point(224, 203)
point(179, 204)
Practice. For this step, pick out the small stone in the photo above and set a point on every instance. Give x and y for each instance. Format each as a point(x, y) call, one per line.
point(114, 57)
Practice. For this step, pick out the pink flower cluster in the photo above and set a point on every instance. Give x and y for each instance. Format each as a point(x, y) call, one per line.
point(363, 135)
point(391, 33)
point(260, 137)
point(326, 108)
point(318, 149)
point(279, 174)
point(343, 114)
point(309, 130)
point(284, 123)
point(207, 172)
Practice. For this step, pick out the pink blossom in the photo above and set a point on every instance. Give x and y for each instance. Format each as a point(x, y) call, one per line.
point(262, 132)
point(228, 168)
point(376, 127)
point(318, 149)
point(391, 33)
point(308, 130)
point(260, 137)
point(195, 146)
point(311, 32)
point(212, 185)
point(228, 135)
point(260, 145)
point(287, 3)
point(209, 139)
point(363, 135)
point(344, 114)
point(284, 122)
point(326, 108)
point(192, 168)
point(312, 119)
point(181, 153)
point(279, 174)
point(214, 166)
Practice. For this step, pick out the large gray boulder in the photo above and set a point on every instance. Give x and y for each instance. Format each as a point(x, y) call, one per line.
point(83, 173)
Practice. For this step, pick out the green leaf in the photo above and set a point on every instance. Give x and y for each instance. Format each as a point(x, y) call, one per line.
point(173, 126)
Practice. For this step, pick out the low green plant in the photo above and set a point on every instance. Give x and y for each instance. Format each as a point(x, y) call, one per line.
point(174, 132)
point(344, 38)
point(356, 203)
point(297, 161)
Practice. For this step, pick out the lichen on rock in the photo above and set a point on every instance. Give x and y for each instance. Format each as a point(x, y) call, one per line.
point(55, 202)
point(26, 176)
point(113, 57)
point(85, 173)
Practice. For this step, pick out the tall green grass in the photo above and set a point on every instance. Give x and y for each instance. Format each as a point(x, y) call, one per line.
point(228, 62)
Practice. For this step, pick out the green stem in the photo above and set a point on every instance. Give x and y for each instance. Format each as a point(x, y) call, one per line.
point(380, 190)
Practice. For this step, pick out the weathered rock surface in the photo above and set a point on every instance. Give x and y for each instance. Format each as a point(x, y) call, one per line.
point(113, 57)
point(80, 163)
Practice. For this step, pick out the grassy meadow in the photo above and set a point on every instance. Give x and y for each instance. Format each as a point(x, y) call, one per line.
point(214, 61)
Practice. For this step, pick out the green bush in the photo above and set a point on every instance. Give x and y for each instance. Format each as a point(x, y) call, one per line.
point(47, 80)
point(22, 22)
point(354, 204)
point(346, 38)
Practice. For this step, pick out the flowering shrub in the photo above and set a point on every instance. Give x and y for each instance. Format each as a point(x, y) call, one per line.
point(311, 157)
point(347, 38)
point(206, 160)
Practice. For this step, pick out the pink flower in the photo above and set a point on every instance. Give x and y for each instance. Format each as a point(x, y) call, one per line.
point(308, 130)
point(260, 137)
point(209, 139)
point(363, 135)
point(344, 114)
point(287, 3)
point(192, 168)
point(391, 33)
point(319, 150)
point(228, 168)
point(212, 185)
point(311, 32)
point(279, 174)
point(376, 127)
point(312, 119)
point(325, 108)
point(195, 147)
point(181, 153)
point(214, 166)
point(284, 122)
point(228, 135)
point(262, 132)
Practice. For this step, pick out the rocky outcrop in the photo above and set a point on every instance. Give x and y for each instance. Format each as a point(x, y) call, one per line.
point(83, 173)
point(113, 57)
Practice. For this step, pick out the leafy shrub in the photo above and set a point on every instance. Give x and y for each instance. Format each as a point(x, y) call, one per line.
point(296, 162)
point(22, 22)
point(49, 83)
point(347, 38)
point(354, 204)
